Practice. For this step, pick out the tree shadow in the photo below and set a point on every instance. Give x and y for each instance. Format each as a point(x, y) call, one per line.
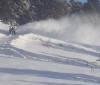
point(54, 75)
point(72, 48)
point(47, 58)
point(95, 47)
point(48, 83)
point(4, 32)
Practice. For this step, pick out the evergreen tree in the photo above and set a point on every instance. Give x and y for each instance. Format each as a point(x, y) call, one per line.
point(75, 6)
point(92, 6)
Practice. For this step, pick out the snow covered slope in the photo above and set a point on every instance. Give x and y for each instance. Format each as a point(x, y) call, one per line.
point(31, 59)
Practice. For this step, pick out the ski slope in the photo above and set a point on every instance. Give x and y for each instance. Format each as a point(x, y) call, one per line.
point(33, 59)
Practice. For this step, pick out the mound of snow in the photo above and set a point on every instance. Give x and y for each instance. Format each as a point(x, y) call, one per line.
point(32, 39)
point(40, 44)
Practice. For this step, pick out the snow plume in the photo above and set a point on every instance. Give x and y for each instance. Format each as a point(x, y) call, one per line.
point(84, 29)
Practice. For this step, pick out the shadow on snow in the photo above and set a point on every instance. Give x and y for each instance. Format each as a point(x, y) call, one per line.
point(13, 51)
point(49, 74)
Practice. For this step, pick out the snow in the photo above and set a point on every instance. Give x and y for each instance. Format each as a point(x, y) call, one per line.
point(33, 59)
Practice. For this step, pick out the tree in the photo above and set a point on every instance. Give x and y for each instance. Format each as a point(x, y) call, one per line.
point(92, 6)
point(75, 6)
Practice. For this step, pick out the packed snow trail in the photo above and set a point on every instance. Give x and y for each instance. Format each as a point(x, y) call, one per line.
point(31, 59)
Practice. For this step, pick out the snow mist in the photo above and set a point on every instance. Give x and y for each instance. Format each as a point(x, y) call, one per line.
point(83, 29)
